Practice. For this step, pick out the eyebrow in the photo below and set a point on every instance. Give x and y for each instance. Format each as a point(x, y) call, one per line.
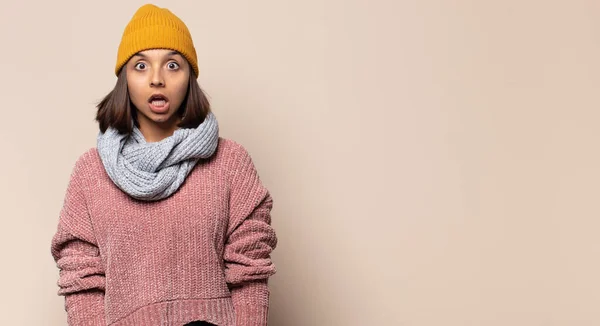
point(144, 56)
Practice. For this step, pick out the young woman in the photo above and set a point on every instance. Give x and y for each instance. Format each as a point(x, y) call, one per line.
point(163, 222)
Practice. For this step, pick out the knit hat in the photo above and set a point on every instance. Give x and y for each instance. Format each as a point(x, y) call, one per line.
point(155, 28)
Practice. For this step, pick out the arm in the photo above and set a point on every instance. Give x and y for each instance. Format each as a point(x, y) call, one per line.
point(251, 239)
point(75, 251)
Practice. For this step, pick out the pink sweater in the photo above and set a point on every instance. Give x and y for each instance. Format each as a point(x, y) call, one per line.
point(201, 254)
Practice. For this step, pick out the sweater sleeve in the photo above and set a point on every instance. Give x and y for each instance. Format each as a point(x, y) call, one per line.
point(250, 241)
point(74, 249)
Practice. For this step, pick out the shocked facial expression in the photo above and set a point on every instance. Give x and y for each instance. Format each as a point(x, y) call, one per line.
point(157, 81)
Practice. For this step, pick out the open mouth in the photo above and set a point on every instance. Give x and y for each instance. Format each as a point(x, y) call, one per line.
point(158, 103)
point(158, 99)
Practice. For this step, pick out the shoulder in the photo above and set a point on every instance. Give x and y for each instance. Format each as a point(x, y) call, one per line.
point(88, 164)
point(88, 158)
point(231, 146)
point(234, 158)
point(231, 150)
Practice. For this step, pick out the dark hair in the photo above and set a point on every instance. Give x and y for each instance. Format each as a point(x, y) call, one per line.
point(116, 110)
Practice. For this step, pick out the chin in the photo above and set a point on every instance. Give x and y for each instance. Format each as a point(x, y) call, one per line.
point(157, 117)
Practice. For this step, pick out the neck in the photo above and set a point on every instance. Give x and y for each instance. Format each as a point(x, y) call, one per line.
point(157, 131)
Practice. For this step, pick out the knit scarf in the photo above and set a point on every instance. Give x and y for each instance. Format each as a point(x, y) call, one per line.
point(153, 171)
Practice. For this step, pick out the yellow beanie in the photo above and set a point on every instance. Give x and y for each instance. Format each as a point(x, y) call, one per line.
point(155, 28)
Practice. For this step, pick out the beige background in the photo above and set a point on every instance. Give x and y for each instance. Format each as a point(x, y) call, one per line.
point(432, 162)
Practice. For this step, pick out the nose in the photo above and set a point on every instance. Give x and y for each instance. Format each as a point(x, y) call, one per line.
point(157, 79)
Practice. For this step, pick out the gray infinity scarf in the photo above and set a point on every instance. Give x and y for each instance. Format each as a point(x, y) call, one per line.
point(153, 171)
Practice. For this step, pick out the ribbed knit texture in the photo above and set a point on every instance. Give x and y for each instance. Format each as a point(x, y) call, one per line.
point(152, 27)
point(153, 171)
point(201, 254)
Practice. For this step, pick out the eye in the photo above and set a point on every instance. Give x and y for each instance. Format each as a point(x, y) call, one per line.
point(173, 65)
point(140, 66)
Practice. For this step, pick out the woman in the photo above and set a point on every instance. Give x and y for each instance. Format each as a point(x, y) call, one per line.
point(163, 222)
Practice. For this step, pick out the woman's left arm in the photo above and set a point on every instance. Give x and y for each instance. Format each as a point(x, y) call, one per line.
point(250, 241)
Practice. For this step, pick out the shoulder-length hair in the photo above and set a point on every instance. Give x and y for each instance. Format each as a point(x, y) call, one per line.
point(116, 110)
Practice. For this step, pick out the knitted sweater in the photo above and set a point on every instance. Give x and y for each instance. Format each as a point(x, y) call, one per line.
point(201, 254)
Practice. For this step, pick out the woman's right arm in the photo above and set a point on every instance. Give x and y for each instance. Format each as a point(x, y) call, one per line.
point(75, 251)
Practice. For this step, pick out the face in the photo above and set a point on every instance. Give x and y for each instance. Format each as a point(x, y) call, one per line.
point(157, 80)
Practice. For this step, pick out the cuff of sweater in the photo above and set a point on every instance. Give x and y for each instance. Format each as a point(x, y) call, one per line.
point(85, 308)
point(251, 303)
point(246, 315)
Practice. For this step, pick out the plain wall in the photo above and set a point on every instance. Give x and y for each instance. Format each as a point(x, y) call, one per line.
point(432, 162)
